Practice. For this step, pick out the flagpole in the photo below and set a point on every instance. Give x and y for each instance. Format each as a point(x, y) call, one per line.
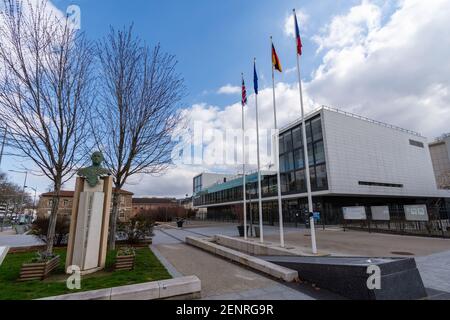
point(261, 233)
point(305, 148)
point(243, 170)
point(277, 158)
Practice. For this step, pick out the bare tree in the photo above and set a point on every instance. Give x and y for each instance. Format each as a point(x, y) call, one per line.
point(140, 95)
point(45, 91)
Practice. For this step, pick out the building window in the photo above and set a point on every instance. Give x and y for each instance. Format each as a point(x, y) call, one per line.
point(319, 152)
point(289, 164)
point(122, 214)
point(297, 137)
point(292, 162)
point(287, 141)
point(66, 203)
point(316, 127)
point(281, 144)
point(416, 143)
point(299, 159)
point(300, 180)
point(380, 184)
point(50, 202)
point(197, 184)
point(321, 177)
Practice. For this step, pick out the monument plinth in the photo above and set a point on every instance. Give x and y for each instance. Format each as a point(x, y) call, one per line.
point(88, 237)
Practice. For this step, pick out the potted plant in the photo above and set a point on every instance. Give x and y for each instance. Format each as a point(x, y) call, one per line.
point(180, 222)
point(39, 267)
point(239, 214)
point(125, 259)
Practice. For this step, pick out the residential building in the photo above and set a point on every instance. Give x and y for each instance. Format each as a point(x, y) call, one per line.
point(145, 204)
point(66, 202)
point(354, 161)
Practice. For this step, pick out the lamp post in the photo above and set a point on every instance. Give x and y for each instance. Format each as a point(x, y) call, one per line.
point(24, 186)
point(34, 200)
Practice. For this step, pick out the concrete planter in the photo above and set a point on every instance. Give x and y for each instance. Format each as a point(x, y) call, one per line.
point(38, 271)
point(241, 230)
point(257, 234)
point(124, 263)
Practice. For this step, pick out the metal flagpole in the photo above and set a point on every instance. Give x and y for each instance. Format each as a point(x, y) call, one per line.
point(261, 233)
point(243, 168)
point(305, 148)
point(277, 159)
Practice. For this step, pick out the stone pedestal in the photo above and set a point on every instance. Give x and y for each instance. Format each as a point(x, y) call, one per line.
point(88, 237)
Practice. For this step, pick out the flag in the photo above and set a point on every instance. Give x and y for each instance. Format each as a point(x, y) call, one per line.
point(244, 93)
point(275, 61)
point(255, 78)
point(297, 36)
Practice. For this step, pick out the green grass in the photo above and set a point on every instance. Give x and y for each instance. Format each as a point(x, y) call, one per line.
point(147, 268)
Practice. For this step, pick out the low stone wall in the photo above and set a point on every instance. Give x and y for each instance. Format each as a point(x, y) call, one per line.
point(253, 248)
point(177, 288)
point(266, 267)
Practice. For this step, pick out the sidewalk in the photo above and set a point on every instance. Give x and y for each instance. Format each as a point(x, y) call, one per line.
point(222, 279)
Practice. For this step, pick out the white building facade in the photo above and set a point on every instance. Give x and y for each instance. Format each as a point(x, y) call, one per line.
point(354, 162)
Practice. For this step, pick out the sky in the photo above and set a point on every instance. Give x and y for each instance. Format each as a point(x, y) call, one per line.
point(383, 59)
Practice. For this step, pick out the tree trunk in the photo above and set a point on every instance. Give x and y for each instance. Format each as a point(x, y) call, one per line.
point(113, 221)
point(53, 218)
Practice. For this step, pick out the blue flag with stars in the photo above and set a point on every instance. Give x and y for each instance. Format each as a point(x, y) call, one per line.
point(255, 79)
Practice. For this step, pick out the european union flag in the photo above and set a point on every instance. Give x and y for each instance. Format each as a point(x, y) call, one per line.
point(255, 79)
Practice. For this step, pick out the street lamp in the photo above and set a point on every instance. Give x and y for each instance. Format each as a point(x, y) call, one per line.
point(24, 186)
point(34, 199)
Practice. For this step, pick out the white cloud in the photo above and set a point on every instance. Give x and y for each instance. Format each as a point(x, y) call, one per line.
point(289, 25)
point(391, 67)
point(352, 28)
point(397, 72)
point(229, 89)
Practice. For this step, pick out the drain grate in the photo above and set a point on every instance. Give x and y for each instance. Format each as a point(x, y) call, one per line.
point(400, 253)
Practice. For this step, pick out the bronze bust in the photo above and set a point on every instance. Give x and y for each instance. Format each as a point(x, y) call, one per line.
point(94, 172)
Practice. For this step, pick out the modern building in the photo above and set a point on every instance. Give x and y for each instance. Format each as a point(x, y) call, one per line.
point(354, 162)
point(66, 201)
point(440, 157)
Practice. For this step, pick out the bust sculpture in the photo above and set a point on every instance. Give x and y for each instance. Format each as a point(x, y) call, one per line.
point(93, 173)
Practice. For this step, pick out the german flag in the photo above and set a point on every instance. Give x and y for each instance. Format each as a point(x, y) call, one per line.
point(275, 61)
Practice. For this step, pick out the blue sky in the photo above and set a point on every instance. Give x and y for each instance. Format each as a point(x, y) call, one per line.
point(214, 41)
point(374, 60)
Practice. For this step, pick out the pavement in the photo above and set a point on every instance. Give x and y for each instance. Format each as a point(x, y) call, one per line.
point(19, 240)
point(435, 271)
point(221, 279)
point(224, 280)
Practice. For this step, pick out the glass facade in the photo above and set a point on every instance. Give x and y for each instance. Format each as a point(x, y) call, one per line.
point(292, 158)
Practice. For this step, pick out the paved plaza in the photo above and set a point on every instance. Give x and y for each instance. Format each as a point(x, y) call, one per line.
point(224, 280)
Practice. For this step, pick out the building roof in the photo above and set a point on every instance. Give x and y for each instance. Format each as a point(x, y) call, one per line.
point(348, 114)
point(69, 194)
point(237, 182)
point(154, 200)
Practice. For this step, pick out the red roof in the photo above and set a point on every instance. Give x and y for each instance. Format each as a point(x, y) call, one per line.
point(69, 194)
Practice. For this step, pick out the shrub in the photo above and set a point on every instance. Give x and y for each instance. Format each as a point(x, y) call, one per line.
point(138, 228)
point(40, 228)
